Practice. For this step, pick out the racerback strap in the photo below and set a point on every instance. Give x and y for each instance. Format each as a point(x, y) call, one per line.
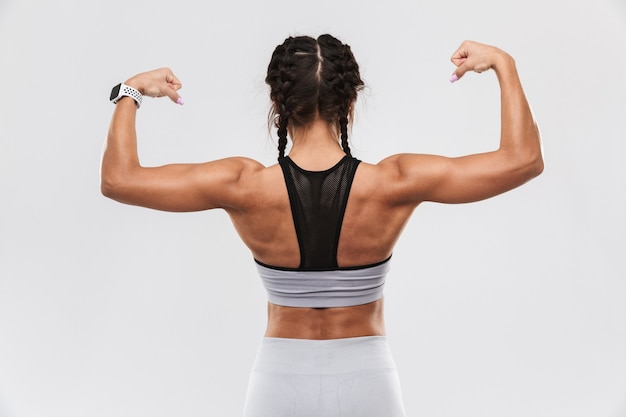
point(318, 202)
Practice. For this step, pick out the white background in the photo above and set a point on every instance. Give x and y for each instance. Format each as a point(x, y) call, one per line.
point(508, 307)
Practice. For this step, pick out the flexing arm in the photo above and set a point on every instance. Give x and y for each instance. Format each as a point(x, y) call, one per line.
point(177, 187)
point(475, 177)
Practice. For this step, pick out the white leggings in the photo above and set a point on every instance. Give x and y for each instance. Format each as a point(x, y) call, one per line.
point(352, 377)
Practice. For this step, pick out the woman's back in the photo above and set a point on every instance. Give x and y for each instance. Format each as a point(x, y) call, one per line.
point(371, 223)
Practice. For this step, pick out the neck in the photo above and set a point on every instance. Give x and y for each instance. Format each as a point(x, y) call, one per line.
point(315, 145)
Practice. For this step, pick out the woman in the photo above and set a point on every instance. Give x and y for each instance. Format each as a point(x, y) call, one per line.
point(320, 224)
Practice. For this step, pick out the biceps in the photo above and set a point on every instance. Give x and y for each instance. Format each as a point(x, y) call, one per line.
point(179, 187)
point(464, 179)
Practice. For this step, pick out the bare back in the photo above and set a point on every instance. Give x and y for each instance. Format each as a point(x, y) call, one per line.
point(370, 228)
point(371, 225)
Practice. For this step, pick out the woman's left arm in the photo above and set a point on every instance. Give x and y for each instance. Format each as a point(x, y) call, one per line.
point(176, 187)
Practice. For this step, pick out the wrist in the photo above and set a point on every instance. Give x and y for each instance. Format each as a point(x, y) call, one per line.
point(136, 84)
point(124, 90)
point(503, 62)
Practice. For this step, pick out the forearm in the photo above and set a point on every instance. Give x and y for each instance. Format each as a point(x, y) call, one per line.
point(120, 153)
point(519, 133)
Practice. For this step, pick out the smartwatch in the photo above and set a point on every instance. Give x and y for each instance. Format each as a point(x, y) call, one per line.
point(122, 90)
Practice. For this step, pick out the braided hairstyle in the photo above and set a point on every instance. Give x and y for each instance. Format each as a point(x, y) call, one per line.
point(311, 78)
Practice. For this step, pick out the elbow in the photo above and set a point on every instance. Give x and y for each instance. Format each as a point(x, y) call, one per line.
point(529, 160)
point(539, 166)
point(528, 154)
point(523, 167)
point(118, 185)
point(532, 166)
point(536, 165)
point(107, 186)
point(538, 156)
point(111, 186)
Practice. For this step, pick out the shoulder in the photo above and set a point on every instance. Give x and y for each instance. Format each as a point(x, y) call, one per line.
point(400, 164)
point(249, 181)
point(374, 180)
point(239, 164)
point(233, 170)
point(395, 167)
point(399, 178)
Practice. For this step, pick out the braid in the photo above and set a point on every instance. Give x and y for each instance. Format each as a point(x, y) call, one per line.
point(283, 113)
point(282, 136)
point(340, 84)
point(343, 127)
point(291, 78)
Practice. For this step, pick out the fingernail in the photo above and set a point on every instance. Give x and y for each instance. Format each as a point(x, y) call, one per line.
point(180, 101)
point(453, 78)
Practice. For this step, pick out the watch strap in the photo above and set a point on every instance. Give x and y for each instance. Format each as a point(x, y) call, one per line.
point(124, 90)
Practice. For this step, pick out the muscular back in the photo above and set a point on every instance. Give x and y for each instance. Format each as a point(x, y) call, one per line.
point(370, 228)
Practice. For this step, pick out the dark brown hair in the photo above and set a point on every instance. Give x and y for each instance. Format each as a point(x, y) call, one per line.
point(310, 78)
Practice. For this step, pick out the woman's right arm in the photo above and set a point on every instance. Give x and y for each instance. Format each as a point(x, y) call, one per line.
point(173, 187)
point(518, 159)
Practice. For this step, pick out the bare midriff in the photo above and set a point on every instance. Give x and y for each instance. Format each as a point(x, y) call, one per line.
point(325, 323)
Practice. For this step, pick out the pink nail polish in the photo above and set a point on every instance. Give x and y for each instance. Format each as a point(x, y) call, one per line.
point(453, 78)
point(180, 101)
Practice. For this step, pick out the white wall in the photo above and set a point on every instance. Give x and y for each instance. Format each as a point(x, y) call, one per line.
point(509, 307)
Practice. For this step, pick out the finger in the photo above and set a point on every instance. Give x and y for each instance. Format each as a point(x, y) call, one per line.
point(173, 85)
point(459, 72)
point(173, 95)
point(173, 81)
point(460, 55)
point(458, 58)
point(459, 61)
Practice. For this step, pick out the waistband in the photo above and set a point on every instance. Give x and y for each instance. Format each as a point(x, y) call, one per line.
point(323, 357)
point(335, 288)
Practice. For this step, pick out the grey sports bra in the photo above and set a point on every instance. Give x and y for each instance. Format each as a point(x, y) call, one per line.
point(318, 202)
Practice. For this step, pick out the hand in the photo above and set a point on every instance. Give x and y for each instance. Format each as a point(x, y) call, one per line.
point(157, 83)
point(477, 57)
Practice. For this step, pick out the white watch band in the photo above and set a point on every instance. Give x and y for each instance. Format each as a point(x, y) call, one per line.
point(128, 91)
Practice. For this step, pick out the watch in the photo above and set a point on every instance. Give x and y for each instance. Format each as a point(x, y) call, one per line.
point(122, 90)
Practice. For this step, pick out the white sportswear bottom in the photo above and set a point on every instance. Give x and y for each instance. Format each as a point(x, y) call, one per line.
point(351, 377)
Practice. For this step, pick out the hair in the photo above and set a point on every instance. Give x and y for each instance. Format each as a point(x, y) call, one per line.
point(310, 78)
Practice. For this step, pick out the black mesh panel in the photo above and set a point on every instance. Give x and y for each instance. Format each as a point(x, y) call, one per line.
point(318, 202)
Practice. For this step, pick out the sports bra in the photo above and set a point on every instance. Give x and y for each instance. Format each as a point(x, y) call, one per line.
point(318, 202)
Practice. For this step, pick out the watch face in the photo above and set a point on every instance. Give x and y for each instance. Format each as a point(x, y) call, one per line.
point(115, 92)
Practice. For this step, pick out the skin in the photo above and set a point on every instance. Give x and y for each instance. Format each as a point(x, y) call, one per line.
point(382, 198)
